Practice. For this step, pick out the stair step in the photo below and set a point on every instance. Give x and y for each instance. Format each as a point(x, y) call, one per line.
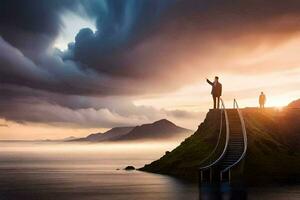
point(228, 163)
point(228, 154)
point(233, 149)
point(235, 129)
point(229, 160)
point(233, 153)
point(233, 157)
point(234, 121)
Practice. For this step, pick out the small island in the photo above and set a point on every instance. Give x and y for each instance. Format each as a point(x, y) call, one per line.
point(129, 168)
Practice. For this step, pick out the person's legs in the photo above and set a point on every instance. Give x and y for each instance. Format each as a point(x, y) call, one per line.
point(214, 99)
point(218, 103)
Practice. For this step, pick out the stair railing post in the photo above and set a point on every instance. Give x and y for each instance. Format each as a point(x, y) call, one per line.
point(210, 175)
point(235, 103)
point(221, 177)
point(201, 176)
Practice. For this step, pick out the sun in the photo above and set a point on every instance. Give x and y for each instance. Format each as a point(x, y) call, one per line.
point(278, 101)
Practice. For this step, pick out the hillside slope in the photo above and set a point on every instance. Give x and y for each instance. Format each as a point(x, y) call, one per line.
point(108, 135)
point(273, 147)
point(294, 104)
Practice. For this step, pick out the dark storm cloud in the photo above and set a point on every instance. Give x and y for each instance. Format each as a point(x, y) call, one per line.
point(140, 46)
point(31, 24)
point(187, 30)
point(120, 24)
point(29, 28)
point(37, 85)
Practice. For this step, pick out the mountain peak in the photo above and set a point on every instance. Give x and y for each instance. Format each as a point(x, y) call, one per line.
point(164, 121)
point(158, 130)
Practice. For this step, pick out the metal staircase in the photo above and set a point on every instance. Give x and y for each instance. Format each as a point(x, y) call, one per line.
point(234, 149)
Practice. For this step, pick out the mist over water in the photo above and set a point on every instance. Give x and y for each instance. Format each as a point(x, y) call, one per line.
point(43, 170)
point(62, 171)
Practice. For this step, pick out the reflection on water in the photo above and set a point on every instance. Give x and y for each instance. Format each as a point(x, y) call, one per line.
point(222, 191)
point(45, 171)
point(85, 172)
point(225, 191)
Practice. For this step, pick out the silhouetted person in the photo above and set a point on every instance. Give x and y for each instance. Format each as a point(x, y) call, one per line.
point(262, 100)
point(216, 91)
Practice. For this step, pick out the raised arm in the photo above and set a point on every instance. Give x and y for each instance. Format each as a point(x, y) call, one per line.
point(209, 82)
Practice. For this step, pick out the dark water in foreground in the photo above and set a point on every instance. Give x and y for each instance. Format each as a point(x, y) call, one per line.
point(87, 172)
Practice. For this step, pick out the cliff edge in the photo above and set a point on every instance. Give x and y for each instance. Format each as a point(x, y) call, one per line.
point(273, 147)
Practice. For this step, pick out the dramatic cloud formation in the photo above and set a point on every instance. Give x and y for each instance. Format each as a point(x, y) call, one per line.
point(140, 47)
point(41, 84)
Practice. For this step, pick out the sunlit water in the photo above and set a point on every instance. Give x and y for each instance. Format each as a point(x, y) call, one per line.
point(46, 171)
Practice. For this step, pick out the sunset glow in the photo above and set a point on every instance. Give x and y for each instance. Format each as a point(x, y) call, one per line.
point(88, 71)
point(149, 99)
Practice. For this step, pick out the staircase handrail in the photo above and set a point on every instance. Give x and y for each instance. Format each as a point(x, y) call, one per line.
point(218, 142)
point(227, 137)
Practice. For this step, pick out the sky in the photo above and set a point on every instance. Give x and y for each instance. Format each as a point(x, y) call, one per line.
point(75, 67)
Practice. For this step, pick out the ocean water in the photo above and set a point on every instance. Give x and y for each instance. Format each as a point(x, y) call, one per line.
point(63, 171)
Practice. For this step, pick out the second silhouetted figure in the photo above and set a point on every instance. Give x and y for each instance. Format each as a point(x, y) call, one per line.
point(262, 100)
point(216, 91)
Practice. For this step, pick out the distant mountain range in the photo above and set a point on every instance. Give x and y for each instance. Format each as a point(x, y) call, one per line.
point(111, 134)
point(159, 130)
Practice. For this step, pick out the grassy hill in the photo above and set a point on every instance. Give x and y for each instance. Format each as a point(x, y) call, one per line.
point(273, 147)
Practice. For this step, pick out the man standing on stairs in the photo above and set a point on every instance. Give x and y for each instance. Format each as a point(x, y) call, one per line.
point(216, 91)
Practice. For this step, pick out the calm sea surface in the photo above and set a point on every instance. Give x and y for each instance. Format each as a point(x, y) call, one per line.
point(46, 171)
